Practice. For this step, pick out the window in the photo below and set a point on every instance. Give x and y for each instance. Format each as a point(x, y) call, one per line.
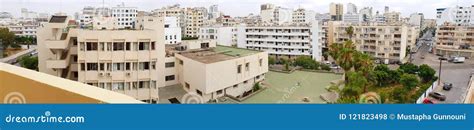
point(204, 45)
point(118, 66)
point(153, 65)
point(127, 66)
point(169, 78)
point(91, 66)
point(143, 84)
point(118, 46)
point(109, 46)
point(102, 46)
point(101, 66)
point(260, 62)
point(247, 66)
point(144, 65)
point(128, 46)
point(118, 86)
point(152, 45)
point(83, 66)
point(81, 46)
point(239, 69)
point(181, 62)
point(109, 66)
point(143, 46)
point(169, 64)
point(91, 46)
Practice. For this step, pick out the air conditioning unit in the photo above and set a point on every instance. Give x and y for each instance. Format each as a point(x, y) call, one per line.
point(108, 74)
point(128, 74)
point(101, 74)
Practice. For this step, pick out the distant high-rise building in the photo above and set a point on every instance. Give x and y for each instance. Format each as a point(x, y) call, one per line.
point(351, 8)
point(416, 19)
point(275, 14)
point(214, 12)
point(124, 16)
point(336, 10)
point(386, 9)
point(366, 14)
point(458, 15)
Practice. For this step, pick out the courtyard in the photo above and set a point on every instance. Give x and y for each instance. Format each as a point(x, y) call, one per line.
point(294, 87)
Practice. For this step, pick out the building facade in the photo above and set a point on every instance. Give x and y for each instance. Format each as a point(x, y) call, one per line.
point(336, 10)
point(460, 15)
point(224, 35)
point(283, 41)
point(454, 40)
point(124, 16)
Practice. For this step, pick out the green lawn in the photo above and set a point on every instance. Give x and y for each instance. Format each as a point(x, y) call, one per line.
point(283, 87)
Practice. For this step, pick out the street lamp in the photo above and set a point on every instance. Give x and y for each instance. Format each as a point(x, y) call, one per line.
point(439, 72)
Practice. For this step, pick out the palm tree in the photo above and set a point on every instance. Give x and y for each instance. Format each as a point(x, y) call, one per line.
point(350, 32)
point(345, 56)
point(363, 63)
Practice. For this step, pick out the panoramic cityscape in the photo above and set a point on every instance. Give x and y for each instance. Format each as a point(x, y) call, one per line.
point(226, 52)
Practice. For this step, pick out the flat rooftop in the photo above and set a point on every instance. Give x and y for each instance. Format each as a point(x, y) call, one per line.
point(219, 53)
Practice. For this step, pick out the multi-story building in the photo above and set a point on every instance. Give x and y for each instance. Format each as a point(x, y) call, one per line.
point(392, 17)
point(302, 15)
point(24, 29)
point(387, 43)
point(124, 61)
point(194, 20)
point(271, 14)
point(224, 35)
point(351, 8)
point(352, 18)
point(172, 30)
point(458, 15)
point(211, 71)
point(379, 18)
point(416, 19)
point(336, 10)
point(283, 41)
point(214, 12)
point(366, 13)
point(124, 16)
point(323, 17)
point(173, 11)
point(454, 40)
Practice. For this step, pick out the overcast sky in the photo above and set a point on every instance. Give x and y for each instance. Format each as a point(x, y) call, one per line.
point(232, 7)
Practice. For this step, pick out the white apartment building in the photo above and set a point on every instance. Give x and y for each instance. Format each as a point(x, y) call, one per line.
point(173, 11)
point(124, 61)
point(351, 8)
point(352, 18)
point(387, 43)
point(283, 41)
point(302, 15)
point(366, 13)
point(416, 19)
point(24, 29)
point(379, 18)
point(211, 71)
point(276, 15)
point(454, 40)
point(124, 16)
point(224, 35)
point(214, 12)
point(172, 30)
point(461, 15)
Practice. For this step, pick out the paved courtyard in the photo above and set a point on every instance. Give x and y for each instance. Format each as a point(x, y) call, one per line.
point(284, 88)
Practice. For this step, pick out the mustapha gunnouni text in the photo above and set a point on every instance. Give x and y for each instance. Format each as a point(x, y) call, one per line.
point(440, 117)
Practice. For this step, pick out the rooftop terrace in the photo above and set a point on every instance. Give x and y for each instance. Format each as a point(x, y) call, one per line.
point(220, 53)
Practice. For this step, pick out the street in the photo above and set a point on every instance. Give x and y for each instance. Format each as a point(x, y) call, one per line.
point(457, 74)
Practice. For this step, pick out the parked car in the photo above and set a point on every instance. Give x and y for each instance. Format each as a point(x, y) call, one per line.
point(447, 86)
point(438, 96)
point(459, 59)
point(428, 101)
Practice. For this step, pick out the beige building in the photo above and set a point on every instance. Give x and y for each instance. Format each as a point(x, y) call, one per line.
point(194, 20)
point(210, 71)
point(387, 43)
point(392, 17)
point(452, 40)
point(125, 61)
point(336, 10)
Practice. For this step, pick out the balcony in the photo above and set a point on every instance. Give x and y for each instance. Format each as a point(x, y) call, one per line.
point(56, 44)
point(56, 64)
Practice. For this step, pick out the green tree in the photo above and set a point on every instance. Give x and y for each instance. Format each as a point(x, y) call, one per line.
point(426, 73)
point(29, 62)
point(409, 68)
point(356, 84)
point(325, 67)
point(287, 66)
point(271, 61)
point(306, 62)
point(7, 37)
point(350, 32)
point(398, 94)
point(409, 81)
